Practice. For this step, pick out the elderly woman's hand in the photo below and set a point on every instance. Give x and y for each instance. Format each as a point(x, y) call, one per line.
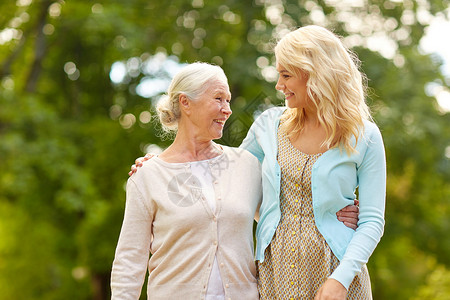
point(349, 215)
point(331, 290)
point(139, 161)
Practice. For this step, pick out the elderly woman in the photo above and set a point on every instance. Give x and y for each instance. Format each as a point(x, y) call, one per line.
point(187, 208)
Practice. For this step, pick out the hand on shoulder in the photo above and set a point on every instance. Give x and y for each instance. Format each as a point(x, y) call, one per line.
point(139, 161)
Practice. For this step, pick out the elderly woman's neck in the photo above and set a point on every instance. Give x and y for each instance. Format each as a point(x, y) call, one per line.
point(186, 149)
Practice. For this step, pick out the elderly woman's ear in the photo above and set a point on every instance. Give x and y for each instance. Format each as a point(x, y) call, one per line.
point(184, 103)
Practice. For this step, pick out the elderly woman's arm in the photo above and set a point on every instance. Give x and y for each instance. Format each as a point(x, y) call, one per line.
point(348, 215)
point(133, 249)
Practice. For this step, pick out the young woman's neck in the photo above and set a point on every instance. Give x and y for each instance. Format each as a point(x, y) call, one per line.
point(310, 119)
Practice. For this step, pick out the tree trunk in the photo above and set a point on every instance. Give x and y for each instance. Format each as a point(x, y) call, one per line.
point(100, 283)
point(39, 49)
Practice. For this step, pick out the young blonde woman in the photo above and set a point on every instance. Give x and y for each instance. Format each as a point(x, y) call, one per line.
point(315, 154)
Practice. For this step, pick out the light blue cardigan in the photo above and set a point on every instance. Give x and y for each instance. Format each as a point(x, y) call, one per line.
point(335, 177)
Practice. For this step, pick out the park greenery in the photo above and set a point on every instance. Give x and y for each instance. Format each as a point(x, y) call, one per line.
point(78, 84)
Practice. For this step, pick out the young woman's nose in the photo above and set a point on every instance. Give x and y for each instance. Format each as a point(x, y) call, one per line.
point(279, 85)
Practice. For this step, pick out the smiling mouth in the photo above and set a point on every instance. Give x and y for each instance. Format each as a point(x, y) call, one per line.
point(222, 122)
point(288, 95)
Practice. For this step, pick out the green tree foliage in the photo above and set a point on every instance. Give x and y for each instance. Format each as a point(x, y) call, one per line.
point(69, 132)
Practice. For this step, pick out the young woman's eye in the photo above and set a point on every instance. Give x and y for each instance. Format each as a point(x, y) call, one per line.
point(286, 76)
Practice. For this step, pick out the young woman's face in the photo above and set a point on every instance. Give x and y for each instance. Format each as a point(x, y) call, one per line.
point(211, 110)
point(294, 88)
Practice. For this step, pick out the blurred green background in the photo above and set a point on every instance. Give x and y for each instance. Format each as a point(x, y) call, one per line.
point(78, 83)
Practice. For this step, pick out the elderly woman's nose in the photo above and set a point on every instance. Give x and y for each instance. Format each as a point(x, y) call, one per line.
point(226, 109)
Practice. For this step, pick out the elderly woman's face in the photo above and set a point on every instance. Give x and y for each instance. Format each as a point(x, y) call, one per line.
point(211, 110)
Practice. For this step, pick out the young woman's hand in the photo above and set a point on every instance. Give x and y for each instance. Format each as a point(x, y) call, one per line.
point(331, 290)
point(139, 161)
point(349, 215)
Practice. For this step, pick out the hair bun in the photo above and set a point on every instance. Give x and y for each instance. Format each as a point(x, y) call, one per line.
point(166, 113)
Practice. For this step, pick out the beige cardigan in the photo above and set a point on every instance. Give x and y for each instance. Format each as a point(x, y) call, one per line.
point(167, 215)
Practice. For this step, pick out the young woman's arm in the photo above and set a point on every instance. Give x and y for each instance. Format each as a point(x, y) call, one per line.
point(371, 175)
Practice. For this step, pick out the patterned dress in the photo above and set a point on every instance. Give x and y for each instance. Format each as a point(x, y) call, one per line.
point(298, 260)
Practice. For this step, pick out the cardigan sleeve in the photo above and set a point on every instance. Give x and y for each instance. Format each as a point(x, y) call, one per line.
point(371, 175)
point(262, 135)
point(251, 144)
point(133, 249)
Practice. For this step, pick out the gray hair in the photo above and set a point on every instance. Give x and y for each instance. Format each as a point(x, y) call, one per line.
point(191, 81)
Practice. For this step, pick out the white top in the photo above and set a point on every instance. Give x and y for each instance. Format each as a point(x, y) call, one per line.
point(201, 170)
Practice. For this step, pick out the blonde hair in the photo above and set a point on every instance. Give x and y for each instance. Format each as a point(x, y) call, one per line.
point(192, 81)
point(335, 85)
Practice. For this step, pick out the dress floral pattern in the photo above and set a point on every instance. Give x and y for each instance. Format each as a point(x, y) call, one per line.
point(298, 260)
